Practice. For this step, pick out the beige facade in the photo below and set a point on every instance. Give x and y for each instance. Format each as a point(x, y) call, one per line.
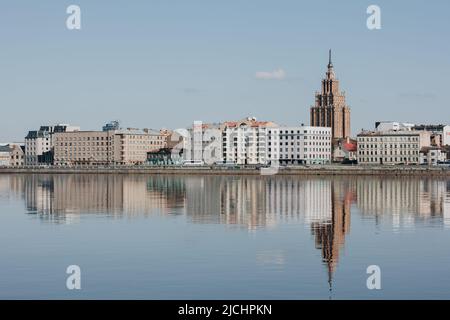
point(391, 147)
point(330, 109)
point(17, 155)
point(83, 147)
point(11, 155)
point(131, 146)
point(124, 147)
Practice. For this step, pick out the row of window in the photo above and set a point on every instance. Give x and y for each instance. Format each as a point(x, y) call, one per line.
point(387, 139)
point(388, 146)
point(401, 152)
point(388, 159)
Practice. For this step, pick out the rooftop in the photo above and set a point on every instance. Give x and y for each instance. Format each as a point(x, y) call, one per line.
point(389, 133)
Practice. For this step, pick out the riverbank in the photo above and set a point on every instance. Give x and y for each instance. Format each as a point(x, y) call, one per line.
point(297, 170)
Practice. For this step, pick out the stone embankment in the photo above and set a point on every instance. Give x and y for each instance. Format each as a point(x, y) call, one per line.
point(343, 170)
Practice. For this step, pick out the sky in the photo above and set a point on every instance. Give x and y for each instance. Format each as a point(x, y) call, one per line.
point(164, 64)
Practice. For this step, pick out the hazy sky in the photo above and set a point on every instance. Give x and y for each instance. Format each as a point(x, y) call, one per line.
point(167, 63)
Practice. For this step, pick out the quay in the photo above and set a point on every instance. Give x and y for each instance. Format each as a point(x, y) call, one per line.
point(314, 170)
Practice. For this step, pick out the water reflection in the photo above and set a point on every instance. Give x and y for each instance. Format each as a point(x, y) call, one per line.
point(323, 205)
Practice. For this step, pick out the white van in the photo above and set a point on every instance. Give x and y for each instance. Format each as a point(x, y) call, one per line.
point(193, 163)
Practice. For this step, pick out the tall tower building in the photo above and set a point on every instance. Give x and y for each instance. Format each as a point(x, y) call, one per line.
point(330, 109)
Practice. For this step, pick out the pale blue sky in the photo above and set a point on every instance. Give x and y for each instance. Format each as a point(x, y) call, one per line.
point(167, 63)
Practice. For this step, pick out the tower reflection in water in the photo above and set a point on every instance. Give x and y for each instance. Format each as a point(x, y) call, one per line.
point(322, 204)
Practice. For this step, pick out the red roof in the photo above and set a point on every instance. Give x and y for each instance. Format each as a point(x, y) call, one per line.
point(349, 146)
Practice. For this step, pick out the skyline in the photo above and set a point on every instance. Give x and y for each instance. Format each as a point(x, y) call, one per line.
point(166, 65)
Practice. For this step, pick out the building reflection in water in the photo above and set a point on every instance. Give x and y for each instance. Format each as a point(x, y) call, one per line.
point(405, 201)
point(322, 204)
point(330, 235)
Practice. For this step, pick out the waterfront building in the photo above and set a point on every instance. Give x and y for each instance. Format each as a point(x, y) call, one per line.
point(391, 147)
point(130, 146)
point(200, 143)
point(432, 156)
point(345, 151)
point(239, 142)
point(124, 146)
point(5, 156)
point(440, 134)
point(39, 143)
point(83, 147)
point(245, 142)
point(330, 109)
point(12, 154)
point(37, 147)
point(17, 154)
point(299, 145)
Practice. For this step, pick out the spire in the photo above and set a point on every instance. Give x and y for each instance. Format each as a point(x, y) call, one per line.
point(330, 64)
point(330, 72)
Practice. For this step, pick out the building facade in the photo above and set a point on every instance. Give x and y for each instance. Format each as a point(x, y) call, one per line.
point(440, 134)
point(17, 155)
point(202, 143)
point(432, 156)
point(5, 156)
point(330, 109)
point(121, 147)
point(12, 155)
point(245, 142)
point(391, 147)
point(300, 145)
point(37, 146)
point(130, 146)
point(83, 148)
point(345, 151)
point(39, 143)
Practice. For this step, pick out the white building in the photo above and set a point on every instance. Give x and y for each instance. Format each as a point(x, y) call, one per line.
point(391, 147)
point(300, 145)
point(201, 143)
point(432, 156)
point(246, 141)
point(37, 144)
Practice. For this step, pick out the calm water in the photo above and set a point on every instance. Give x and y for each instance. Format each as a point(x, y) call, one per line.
point(193, 237)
